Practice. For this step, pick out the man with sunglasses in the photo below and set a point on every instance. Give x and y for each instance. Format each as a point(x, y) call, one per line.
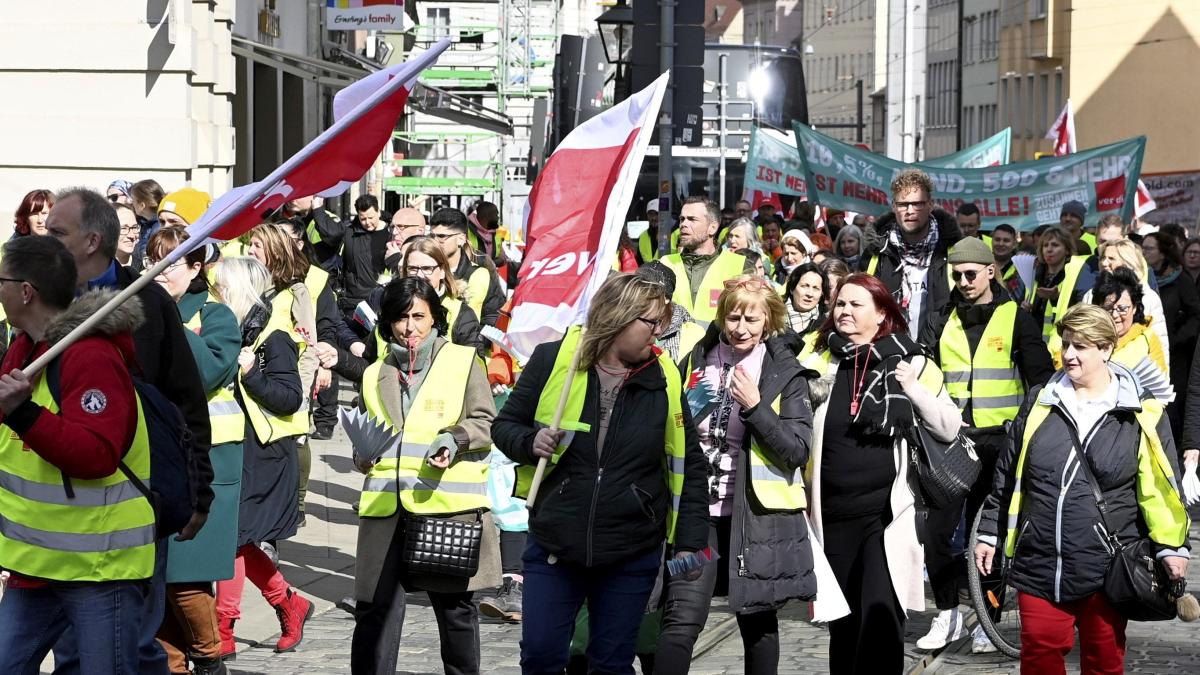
point(910, 254)
point(991, 352)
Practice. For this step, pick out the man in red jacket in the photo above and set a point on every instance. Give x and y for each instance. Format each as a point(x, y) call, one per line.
point(75, 532)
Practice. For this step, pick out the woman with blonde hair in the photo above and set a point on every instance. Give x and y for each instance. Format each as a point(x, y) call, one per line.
point(755, 426)
point(1124, 254)
point(1091, 433)
point(270, 392)
point(628, 476)
point(1060, 280)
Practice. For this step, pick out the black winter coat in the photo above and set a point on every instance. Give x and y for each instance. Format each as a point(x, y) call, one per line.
point(771, 559)
point(598, 508)
point(271, 473)
point(166, 361)
point(889, 270)
point(1060, 554)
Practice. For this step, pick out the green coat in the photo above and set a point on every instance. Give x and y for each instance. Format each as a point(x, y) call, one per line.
point(209, 557)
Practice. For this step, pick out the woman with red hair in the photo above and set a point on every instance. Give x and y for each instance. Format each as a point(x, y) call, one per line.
point(30, 217)
point(874, 384)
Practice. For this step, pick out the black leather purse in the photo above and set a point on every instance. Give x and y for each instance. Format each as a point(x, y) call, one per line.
point(442, 545)
point(1135, 584)
point(945, 471)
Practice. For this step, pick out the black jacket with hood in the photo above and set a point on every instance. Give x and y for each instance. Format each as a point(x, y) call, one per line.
point(1060, 552)
point(770, 553)
point(609, 505)
point(890, 270)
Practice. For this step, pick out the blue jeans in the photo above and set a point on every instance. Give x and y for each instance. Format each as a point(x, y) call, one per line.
point(104, 615)
point(616, 596)
point(152, 657)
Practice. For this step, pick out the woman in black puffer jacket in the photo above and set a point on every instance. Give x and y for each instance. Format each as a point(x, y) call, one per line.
point(750, 401)
point(1092, 411)
point(617, 491)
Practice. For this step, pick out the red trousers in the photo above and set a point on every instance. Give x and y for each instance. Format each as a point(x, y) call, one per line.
point(250, 563)
point(1048, 633)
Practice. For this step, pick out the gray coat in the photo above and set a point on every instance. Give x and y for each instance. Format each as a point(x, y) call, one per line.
point(473, 434)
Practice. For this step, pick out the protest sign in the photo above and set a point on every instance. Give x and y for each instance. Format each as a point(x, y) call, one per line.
point(773, 162)
point(1023, 195)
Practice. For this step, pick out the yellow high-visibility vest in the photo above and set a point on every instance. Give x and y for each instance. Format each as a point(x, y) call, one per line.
point(987, 379)
point(702, 304)
point(1053, 313)
point(402, 476)
point(1158, 495)
point(104, 532)
point(268, 426)
point(224, 414)
point(675, 444)
point(774, 488)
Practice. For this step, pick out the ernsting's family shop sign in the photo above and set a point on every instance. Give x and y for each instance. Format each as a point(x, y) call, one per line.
point(365, 15)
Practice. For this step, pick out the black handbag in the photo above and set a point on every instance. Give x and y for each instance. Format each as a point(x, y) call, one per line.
point(442, 545)
point(1135, 584)
point(945, 471)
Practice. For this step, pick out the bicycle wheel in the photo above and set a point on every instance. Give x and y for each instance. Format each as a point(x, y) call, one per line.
point(995, 601)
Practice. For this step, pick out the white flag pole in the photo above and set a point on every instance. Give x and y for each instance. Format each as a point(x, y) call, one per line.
point(234, 207)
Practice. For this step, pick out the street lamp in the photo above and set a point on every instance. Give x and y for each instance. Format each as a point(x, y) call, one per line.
point(616, 34)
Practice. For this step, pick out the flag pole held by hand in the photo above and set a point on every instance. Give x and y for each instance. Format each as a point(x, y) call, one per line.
point(540, 472)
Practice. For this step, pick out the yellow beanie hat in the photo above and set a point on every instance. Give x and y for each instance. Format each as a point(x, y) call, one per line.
point(188, 203)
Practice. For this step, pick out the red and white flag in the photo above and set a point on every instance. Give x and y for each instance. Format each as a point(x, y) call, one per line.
point(365, 115)
point(1144, 203)
point(574, 216)
point(1062, 132)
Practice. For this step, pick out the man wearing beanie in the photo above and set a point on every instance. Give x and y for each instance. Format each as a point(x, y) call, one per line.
point(1071, 218)
point(991, 352)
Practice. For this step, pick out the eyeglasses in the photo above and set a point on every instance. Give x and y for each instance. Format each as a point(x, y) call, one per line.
point(752, 283)
point(969, 274)
point(654, 324)
point(1119, 310)
point(18, 281)
point(904, 206)
point(443, 236)
point(130, 229)
point(421, 270)
point(148, 263)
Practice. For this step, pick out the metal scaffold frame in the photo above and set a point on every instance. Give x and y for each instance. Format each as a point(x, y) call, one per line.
point(510, 59)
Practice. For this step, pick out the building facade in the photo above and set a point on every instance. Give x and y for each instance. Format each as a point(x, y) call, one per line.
point(116, 90)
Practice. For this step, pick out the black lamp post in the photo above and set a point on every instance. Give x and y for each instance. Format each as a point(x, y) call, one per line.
point(616, 33)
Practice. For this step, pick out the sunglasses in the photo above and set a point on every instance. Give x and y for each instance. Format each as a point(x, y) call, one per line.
point(969, 274)
point(752, 283)
point(115, 198)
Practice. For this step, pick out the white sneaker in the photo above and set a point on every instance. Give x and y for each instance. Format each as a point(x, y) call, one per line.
point(947, 627)
point(980, 643)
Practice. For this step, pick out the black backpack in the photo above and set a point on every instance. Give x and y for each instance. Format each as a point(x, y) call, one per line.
point(173, 479)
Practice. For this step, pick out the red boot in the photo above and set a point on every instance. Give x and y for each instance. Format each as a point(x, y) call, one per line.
point(293, 613)
point(228, 646)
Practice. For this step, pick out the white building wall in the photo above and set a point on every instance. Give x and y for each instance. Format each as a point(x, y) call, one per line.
point(103, 92)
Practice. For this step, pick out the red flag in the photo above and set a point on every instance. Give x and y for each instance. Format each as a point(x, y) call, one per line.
point(1062, 132)
point(1144, 203)
point(574, 216)
point(365, 113)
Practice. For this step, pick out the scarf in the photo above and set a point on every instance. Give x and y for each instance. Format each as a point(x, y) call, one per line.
point(669, 341)
point(412, 364)
point(883, 406)
point(488, 237)
point(918, 254)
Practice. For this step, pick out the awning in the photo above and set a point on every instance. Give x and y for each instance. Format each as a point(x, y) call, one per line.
point(424, 99)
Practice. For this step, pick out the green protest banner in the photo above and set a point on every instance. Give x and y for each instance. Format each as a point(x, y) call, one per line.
point(773, 162)
point(1024, 195)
